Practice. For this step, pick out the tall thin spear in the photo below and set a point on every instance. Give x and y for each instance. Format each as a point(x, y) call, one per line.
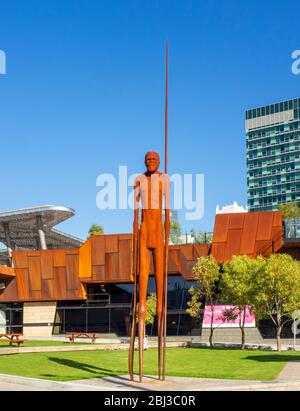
point(167, 108)
point(165, 304)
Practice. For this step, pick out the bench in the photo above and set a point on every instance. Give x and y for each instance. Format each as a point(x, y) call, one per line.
point(17, 342)
point(13, 338)
point(73, 335)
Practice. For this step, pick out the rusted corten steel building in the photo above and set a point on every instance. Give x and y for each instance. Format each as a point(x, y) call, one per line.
point(89, 288)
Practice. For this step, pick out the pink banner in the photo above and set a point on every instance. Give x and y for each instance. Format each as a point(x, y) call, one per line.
point(226, 316)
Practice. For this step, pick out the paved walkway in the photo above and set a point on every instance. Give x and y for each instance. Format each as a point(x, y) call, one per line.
point(291, 372)
point(288, 380)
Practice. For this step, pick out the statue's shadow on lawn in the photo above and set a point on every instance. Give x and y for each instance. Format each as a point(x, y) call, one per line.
point(273, 358)
point(98, 371)
point(86, 367)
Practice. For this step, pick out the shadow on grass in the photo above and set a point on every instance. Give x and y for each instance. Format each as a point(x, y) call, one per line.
point(273, 358)
point(85, 367)
point(98, 371)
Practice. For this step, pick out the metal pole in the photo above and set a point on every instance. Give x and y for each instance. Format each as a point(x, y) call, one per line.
point(8, 242)
point(41, 233)
point(134, 307)
point(165, 302)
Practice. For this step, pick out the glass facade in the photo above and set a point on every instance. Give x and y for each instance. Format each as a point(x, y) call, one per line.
point(11, 318)
point(108, 310)
point(273, 155)
point(292, 230)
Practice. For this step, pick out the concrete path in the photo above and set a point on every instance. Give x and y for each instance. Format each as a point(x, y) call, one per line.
point(291, 372)
point(288, 380)
point(189, 384)
point(13, 382)
point(122, 383)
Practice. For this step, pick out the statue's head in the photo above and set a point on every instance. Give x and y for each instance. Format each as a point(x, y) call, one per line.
point(152, 161)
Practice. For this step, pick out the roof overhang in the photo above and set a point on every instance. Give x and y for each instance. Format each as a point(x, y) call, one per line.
point(23, 226)
point(6, 273)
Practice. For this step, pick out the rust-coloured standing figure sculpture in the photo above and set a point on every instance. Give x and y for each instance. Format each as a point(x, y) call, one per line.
point(152, 192)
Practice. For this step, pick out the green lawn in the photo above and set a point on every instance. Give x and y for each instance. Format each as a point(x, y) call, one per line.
point(186, 362)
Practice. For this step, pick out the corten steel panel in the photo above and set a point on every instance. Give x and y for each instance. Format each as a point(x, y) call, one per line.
point(98, 273)
point(265, 223)
point(112, 266)
point(98, 250)
point(7, 272)
point(218, 251)
point(85, 259)
point(221, 228)
point(60, 283)
point(264, 248)
point(11, 292)
point(236, 221)
point(188, 272)
point(201, 250)
point(277, 222)
point(34, 253)
point(249, 234)
point(112, 243)
point(188, 251)
point(125, 258)
point(233, 244)
point(175, 247)
point(35, 295)
point(186, 267)
point(48, 289)
point(174, 261)
point(34, 265)
point(59, 258)
point(78, 294)
point(22, 283)
point(47, 265)
point(277, 239)
point(72, 271)
point(125, 236)
point(20, 259)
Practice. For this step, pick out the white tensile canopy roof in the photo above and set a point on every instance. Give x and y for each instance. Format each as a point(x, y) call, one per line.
point(23, 227)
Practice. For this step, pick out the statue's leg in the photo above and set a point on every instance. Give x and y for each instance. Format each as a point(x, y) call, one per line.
point(143, 286)
point(159, 278)
point(132, 333)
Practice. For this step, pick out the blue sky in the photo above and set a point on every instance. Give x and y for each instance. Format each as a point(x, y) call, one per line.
point(84, 93)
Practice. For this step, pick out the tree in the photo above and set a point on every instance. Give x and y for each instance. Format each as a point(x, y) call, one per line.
point(207, 276)
point(96, 229)
point(201, 237)
point(277, 291)
point(289, 210)
point(150, 314)
point(237, 287)
point(150, 309)
point(175, 232)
